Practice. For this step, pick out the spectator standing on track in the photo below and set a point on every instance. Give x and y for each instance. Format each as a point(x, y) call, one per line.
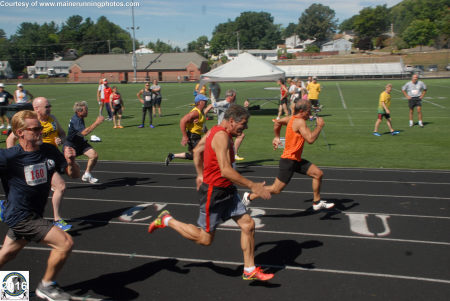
point(145, 97)
point(297, 132)
point(284, 99)
point(383, 111)
point(75, 138)
point(314, 90)
point(105, 93)
point(191, 126)
point(117, 107)
point(221, 107)
point(157, 98)
point(219, 200)
point(53, 134)
point(26, 196)
point(5, 96)
point(414, 91)
point(21, 95)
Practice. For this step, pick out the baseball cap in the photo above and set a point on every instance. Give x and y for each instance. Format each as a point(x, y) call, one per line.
point(105, 80)
point(2, 85)
point(314, 77)
point(19, 85)
point(200, 97)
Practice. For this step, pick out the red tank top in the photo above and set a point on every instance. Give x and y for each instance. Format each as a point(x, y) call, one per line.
point(107, 92)
point(211, 169)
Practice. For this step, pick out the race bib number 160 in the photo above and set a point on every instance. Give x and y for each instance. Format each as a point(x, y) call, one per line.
point(36, 174)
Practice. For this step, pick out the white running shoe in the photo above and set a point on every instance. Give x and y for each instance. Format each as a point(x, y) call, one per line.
point(2, 126)
point(245, 199)
point(87, 177)
point(322, 205)
point(8, 127)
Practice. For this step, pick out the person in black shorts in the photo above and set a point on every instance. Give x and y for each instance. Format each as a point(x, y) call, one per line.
point(117, 107)
point(145, 97)
point(219, 200)
point(192, 126)
point(297, 133)
point(75, 138)
point(26, 172)
point(5, 96)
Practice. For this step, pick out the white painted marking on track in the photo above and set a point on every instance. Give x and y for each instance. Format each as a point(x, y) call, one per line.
point(234, 263)
point(302, 192)
point(269, 177)
point(344, 105)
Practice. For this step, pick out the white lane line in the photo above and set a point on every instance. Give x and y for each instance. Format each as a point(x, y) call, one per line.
point(235, 263)
point(337, 168)
point(289, 191)
point(255, 207)
point(400, 240)
point(437, 105)
point(344, 105)
point(268, 177)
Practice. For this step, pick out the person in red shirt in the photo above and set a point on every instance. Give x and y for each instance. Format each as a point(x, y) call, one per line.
point(105, 94)
point(297, 132)
point(219, 200)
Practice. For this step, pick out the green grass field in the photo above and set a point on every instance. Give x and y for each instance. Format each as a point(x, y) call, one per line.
point(347, 131)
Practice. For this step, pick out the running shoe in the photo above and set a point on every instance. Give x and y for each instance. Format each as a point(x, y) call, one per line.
point(151, 126)
point(169, 158)
point(322, 205)
point(8, 127)
point(376, 134)
point(395, 133)
point(257, 274)
point(2, 210)
point(237, 158)
point(63, 225)
point(115, 127)
point(421, 124)
point(2, 126)
point(51, 292)
point(141, 126)
point(159, 221)
point(120, 127)
point(246, 199)
point(87, 177)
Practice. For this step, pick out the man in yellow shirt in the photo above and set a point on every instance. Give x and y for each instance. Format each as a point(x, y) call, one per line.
point(314, 89)
point(383, 111)
point(191, 126)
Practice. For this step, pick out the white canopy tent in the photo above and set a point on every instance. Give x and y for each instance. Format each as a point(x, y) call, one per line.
point(245, 67)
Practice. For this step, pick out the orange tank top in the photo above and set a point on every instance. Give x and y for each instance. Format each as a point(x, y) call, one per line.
point(294, 143)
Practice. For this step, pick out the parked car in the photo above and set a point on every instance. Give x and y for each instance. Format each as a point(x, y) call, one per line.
point(432, 68)
point(448, 67)
point(409, 68)
point(419, 68)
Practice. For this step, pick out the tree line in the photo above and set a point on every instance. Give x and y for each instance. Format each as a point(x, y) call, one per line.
point(415, 22)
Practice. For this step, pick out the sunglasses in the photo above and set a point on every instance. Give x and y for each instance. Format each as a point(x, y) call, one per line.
point(48, 106)
point(37, 129)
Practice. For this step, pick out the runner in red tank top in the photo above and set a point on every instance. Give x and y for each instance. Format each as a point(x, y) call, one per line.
point(297, 132)
point(219, 201)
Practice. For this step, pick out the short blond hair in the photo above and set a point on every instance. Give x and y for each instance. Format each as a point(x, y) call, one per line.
point(18, 120)
point(79, 105)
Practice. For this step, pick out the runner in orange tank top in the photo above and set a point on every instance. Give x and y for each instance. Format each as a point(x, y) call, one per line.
point(297, 132)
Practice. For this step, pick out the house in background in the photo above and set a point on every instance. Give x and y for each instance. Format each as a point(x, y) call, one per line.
point(340, 45)
point(187, 66)
point(5, 70)
point(268, 55)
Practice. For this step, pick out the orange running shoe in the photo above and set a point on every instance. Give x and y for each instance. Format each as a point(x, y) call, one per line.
point(159, 221)
point(257, 274)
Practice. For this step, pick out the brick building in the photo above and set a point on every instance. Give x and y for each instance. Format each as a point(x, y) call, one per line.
point(119, 68)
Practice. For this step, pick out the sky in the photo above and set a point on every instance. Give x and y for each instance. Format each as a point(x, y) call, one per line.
point(176, 22)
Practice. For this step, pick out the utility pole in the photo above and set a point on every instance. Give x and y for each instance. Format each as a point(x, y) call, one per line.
point(134, 44)
point(237, 36)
